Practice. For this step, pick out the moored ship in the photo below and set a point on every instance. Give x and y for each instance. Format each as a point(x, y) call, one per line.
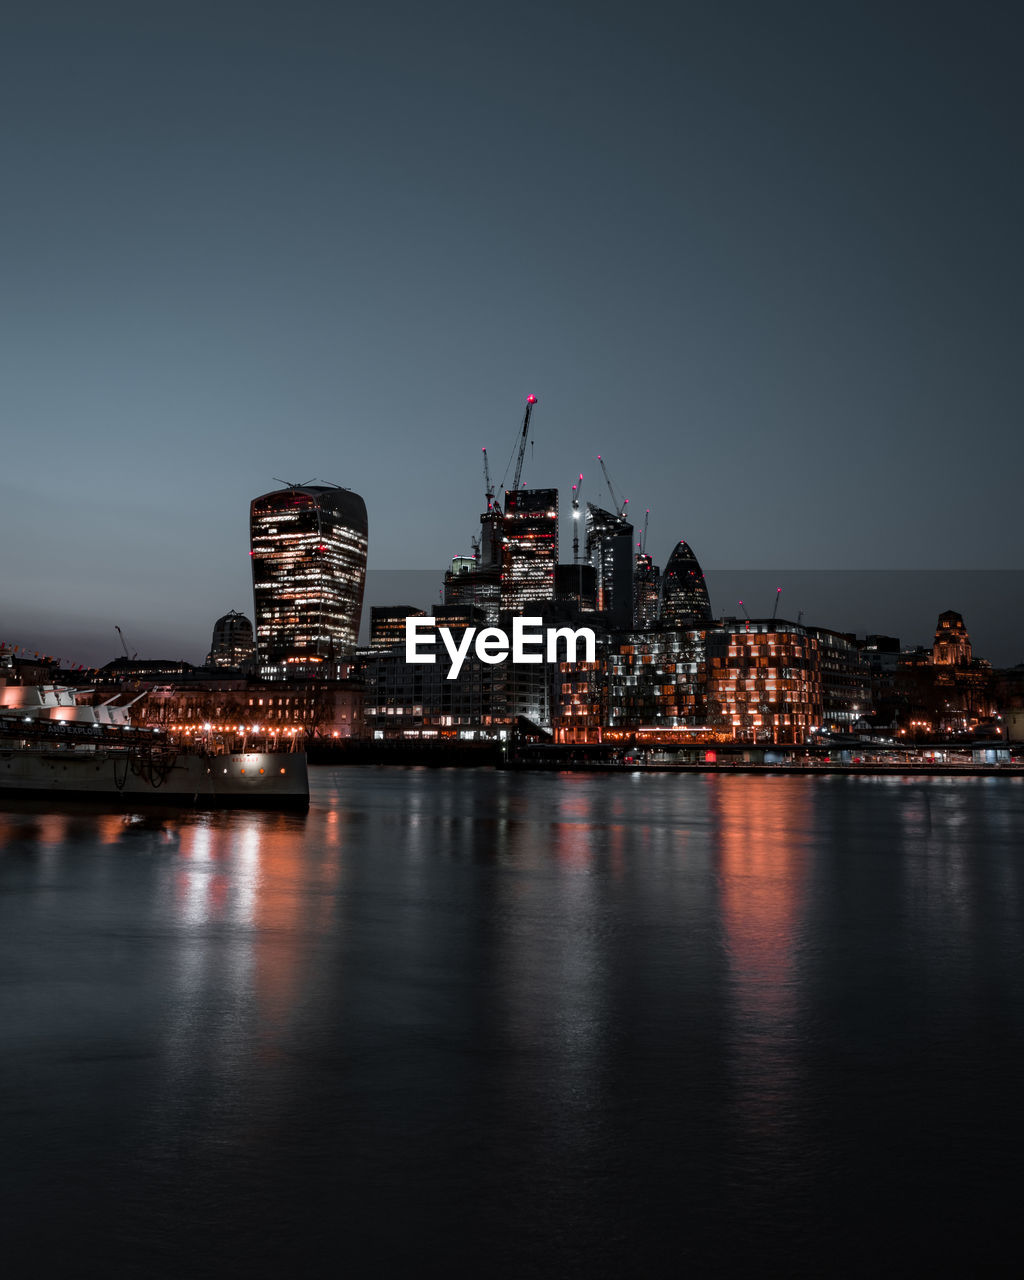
point(51, 745)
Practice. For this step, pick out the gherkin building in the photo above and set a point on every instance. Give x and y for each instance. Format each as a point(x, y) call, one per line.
point(684, 593)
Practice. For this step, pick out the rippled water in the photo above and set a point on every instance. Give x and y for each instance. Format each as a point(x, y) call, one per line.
point(520, 1025)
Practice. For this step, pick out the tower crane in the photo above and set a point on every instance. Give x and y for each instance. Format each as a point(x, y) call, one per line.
point(577, 491)
point(778, 594)
point(643, 539)
point(531, 400)
point(620, 507)
point(489, 487)
point(124, 645)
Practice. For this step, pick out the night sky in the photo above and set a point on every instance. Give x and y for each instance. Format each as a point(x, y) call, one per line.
point(765, 258)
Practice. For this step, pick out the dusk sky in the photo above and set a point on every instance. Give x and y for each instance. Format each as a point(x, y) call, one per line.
point(764, 257)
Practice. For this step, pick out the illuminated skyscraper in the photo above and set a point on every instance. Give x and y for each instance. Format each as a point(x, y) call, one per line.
point(308, 573)
point(610, 551)
point(529, 548)
point(232, 646)
point(646, 591)
point(684, 593)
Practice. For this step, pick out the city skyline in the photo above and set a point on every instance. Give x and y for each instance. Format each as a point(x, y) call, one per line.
point(765, 264)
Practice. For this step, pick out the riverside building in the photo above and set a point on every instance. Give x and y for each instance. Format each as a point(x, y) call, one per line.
point(656, 680)
point(763, 681)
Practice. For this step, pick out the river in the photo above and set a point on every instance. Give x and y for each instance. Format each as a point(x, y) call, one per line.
point(517, 1024)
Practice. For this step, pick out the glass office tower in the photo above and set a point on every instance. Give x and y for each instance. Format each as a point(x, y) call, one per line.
point(684, 593)
point(529, 548)
point(308, 573)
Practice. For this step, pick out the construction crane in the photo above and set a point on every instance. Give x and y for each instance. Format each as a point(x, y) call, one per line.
point(124, 645)
point(778, 594)
point(577, 491)
point(489, 487)
point(744, 608)
point(643, 539)
point(620, 507)
point(531, 400)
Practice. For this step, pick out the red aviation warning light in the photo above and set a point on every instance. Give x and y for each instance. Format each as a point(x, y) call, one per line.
point(531, 400)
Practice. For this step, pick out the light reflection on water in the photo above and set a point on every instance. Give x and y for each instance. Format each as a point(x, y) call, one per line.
point(571, 1020)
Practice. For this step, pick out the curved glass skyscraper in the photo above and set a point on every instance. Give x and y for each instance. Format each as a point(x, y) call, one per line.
point(308, 573)
point(684, 593)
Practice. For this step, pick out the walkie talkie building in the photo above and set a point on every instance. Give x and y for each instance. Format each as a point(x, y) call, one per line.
point(308, 573)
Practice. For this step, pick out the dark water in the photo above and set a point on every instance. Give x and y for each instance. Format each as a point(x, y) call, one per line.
point(494, 1024)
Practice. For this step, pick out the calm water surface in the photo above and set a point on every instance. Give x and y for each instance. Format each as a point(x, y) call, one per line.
point(520, 1025)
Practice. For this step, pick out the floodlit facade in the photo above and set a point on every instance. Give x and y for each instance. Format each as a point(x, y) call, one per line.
point(952, 644)
point(233, 646)
point(656, 680)
point(764, 681)
point(578, 708)
point(308, 574)
point(529, 548)
point(684, 593)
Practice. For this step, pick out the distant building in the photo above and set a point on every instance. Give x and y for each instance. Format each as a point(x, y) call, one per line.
point(387, 625)
point(282, 709)
point(485, 701)
point(308, 574)
point(609, 547)
point(473, 582)
point(233, 645)
point(529, 550)
point(646, 592)
point(881, 653)
point(684, 593)
point(845, 679)
point(952, 645)
point(576, 587)
point(146, 671)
